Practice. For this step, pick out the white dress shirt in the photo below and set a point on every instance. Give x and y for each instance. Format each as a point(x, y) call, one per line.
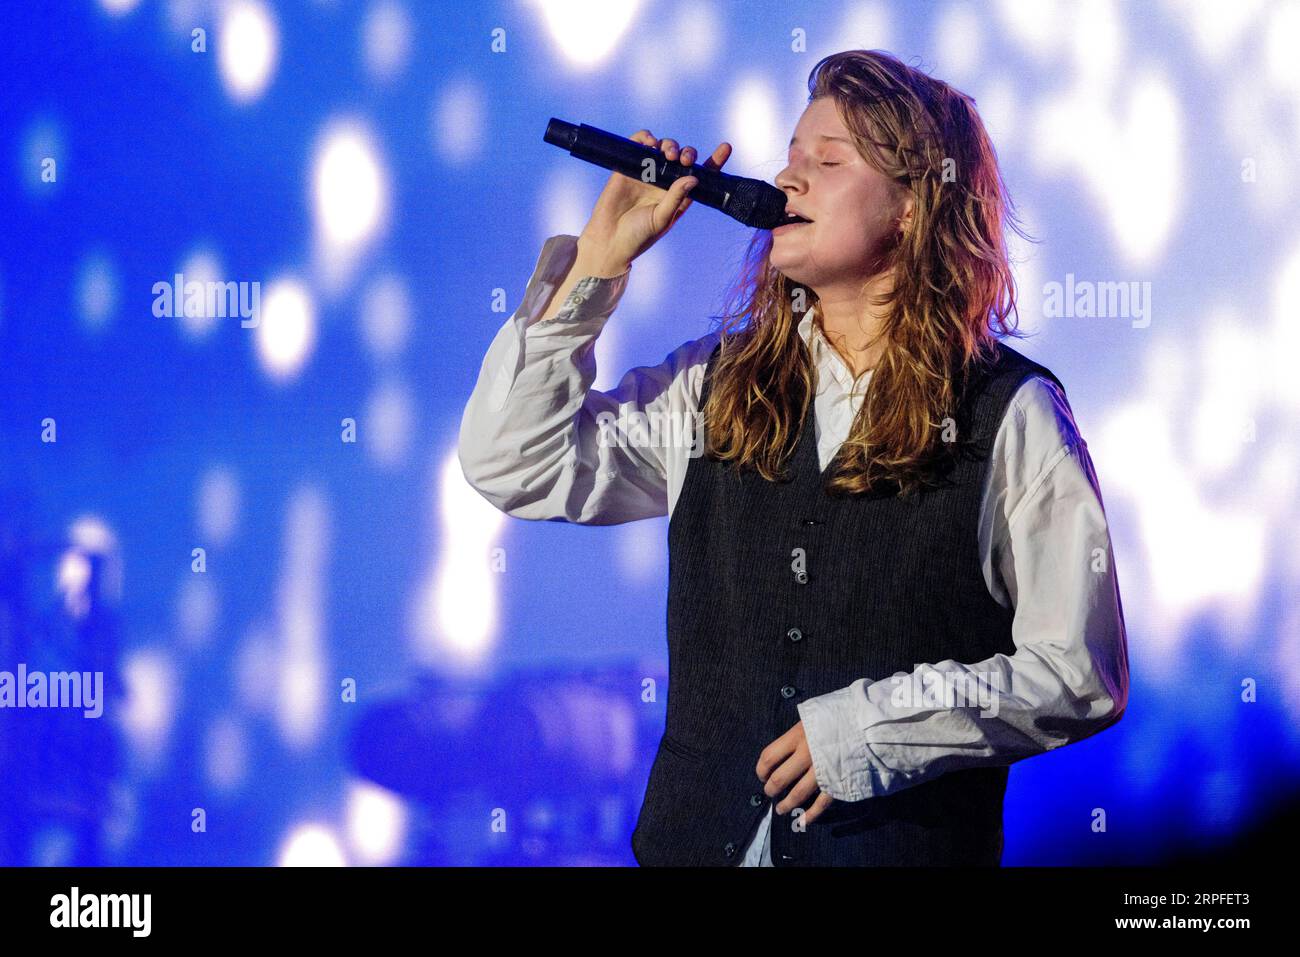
point(530, 443)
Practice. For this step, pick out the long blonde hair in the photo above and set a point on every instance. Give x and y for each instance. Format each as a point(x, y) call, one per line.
point(953, 290)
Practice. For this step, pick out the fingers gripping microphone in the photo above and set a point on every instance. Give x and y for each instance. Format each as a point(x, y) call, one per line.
point(751, 201)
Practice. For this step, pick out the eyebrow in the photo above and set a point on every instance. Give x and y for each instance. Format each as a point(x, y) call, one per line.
point(824, 136)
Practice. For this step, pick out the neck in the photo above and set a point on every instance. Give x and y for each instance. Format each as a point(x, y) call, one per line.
point(853, 324)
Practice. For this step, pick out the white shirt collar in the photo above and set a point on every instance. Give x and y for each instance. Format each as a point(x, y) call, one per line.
point(824, 356)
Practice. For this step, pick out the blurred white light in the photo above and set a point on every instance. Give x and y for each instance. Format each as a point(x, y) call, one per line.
point(301, 704)
point(1147, 185)
point(197, 609)
point(349, 187)
point(454, 614)
point(641, 551)
point(386, 316)
point(1134, 441)
point(587, 31)
point(1198, 553)
point(389, 421)
point(695, 37)
point(1248, 118)
point(1096, 39)
point(1216, 26)
point(1282, 40)
point(247, 49)
point(376, 823)
point(1284, 336)
point(257, 670)
point(202, 267)
point(97, 291)
point(72, 581)
point(1220, 424)
point(643, 296)
point(959, 42)
point(866, 26)
point(300, 619)
point(999, 109)
point(1131, 163)
point(1279, 475)
point(93, 534)
point(226, 753)
point(758, 146)
point(311, 845)
point(89, 535)
point(1038, 26)
point(218, 505)
point(457, 123)
point(387, 39)
point(566, 202)
point(1027, 268)
point(117, 8)
point(286, 332)
point(1225, 414)
point(150, 706)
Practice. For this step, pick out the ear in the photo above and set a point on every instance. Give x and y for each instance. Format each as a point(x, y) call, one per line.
point(905, 217)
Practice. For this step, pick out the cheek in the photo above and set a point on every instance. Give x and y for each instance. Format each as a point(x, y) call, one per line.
point(860, 232)
point(847, 238)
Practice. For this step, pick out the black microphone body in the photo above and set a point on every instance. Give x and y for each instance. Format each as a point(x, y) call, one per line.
point(751, 201)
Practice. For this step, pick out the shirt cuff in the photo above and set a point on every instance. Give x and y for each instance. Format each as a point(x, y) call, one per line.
point(592, 297)
point(842, 759)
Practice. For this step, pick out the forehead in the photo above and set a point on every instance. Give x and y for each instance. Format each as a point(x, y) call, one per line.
point(820, 124)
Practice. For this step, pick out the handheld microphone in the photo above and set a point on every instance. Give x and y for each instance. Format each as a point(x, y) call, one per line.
point(751, 201)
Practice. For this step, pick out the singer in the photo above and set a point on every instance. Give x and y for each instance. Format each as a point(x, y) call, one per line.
point(890, 570)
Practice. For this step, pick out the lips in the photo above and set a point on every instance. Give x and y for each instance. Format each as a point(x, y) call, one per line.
point(794, 215)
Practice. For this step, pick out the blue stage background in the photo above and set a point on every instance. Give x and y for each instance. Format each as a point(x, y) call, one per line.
point(373, 666)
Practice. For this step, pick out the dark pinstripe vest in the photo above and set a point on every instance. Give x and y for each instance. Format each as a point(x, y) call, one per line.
point(887, 584)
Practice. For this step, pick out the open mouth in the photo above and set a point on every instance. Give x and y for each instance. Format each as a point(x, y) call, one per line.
point(792, 220)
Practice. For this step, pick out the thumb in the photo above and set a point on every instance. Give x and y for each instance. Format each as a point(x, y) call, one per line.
point(676, 200)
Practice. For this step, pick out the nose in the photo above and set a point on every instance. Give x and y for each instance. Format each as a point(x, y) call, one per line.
point(789, 181)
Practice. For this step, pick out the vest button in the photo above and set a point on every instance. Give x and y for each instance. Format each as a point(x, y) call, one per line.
point(794, 634)
point(789, 691)
point(801, 577)
point(755, 800)
point(811, 521)
point(729, 850)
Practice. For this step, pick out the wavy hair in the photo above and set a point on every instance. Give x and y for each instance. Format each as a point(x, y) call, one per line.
point(953, 292)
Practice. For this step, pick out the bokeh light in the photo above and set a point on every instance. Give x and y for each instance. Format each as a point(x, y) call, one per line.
point(376, 172)
point(286, 333)
point(247, 49)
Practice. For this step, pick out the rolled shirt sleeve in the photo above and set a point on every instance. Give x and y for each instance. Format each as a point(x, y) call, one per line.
point(539, 443)
point(1068, 678)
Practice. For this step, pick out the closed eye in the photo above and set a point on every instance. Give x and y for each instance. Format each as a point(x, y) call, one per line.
point(830, 164)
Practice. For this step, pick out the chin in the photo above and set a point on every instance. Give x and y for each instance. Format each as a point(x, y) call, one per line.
point(784, 265)
point(793, 272)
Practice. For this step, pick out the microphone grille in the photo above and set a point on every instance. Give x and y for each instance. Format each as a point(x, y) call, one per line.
point(757, 204)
